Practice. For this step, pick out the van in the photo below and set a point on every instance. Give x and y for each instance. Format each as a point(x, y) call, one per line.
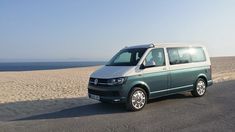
point(139, 73)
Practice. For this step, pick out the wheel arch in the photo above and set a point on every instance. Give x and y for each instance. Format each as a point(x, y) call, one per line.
point(142, 85)
point(204, 77)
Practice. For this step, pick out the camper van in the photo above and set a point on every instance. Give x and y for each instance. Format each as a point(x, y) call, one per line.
point(139, 73)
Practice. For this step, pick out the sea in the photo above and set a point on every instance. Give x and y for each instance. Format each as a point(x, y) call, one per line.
point(31, 66)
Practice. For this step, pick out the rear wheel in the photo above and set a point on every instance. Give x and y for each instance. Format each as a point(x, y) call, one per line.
point(200, 88)
point(137, 99)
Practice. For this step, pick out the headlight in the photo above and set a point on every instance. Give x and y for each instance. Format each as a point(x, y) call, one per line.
point(117, 81)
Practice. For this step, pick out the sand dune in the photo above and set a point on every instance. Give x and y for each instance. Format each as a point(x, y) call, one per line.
point(19, 90)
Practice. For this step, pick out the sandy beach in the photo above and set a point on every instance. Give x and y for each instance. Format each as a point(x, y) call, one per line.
point(33, 92)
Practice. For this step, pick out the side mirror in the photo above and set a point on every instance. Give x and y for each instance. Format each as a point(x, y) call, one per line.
point(142, 66)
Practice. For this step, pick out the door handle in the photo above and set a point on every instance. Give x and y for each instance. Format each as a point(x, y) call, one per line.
point(164, 68)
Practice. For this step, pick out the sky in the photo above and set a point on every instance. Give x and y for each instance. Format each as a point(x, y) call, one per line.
point(97, 29)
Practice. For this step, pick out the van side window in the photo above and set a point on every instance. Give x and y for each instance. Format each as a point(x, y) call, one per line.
point(186, 55)
point(197, 54)
point(156, 57)
point(179, 55)
point(173, 56)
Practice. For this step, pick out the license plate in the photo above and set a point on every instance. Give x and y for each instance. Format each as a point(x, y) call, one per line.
point(96, 97)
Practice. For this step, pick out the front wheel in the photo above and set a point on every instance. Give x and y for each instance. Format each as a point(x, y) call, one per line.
point(137, 99)
point(200, 88)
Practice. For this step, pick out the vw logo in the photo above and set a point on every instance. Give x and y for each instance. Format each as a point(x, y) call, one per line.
point(96, 81)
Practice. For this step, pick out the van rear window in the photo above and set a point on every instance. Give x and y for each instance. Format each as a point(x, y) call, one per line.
point(186, 55)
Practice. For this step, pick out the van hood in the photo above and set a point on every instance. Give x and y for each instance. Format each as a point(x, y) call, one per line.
point(107, 72)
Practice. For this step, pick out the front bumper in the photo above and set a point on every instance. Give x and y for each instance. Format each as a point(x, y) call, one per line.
point(111, 94)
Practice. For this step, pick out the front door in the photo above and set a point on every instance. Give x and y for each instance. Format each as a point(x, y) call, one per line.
point(155, 73)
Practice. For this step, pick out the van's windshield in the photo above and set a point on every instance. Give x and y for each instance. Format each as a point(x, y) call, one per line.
point(127, 57)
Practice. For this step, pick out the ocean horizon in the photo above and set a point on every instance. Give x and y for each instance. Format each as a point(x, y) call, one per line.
point(31, 66)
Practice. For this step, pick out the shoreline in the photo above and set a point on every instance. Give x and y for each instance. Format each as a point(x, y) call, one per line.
point(69, 68)
point(36, 66)
point(64, 66)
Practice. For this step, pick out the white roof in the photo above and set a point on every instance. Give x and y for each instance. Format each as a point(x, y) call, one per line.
point(163, 45)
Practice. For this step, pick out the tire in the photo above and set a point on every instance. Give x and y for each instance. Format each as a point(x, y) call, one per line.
point(200, 88)
point(136, 100)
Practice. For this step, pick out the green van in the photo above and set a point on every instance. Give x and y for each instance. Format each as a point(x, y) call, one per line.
point(139, 73)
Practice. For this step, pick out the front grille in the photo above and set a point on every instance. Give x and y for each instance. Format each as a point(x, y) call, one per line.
point(104, 93)
point(101, 82)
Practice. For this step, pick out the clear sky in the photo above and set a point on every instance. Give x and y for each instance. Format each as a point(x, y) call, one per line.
point(96, 29)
